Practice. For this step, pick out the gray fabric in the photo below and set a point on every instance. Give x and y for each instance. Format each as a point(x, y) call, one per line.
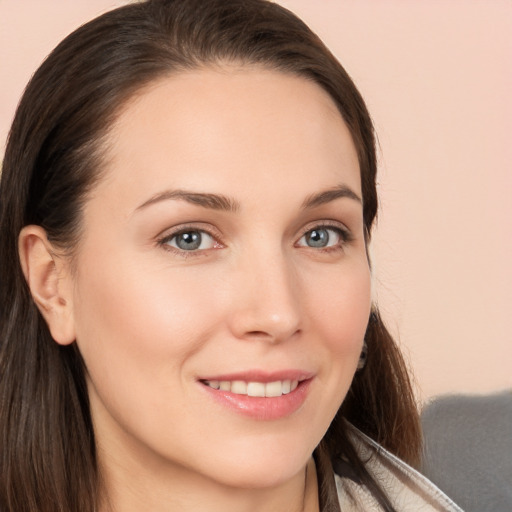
point(468, 450)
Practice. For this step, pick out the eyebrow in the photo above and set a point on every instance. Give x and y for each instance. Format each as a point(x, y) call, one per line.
point(224, 203)
point(211, 201)
point(329, 195)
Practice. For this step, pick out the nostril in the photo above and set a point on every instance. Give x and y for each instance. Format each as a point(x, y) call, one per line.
point(271, 336)
point(260, 335)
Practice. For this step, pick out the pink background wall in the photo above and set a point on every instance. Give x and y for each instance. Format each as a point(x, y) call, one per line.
point(437, 78)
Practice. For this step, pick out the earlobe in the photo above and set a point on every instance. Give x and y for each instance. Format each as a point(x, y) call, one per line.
point(48, 279)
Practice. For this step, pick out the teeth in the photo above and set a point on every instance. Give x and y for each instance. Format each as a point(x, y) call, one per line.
point(274, 389)
point(225, 385)
point(256, 389)
point(239, 387)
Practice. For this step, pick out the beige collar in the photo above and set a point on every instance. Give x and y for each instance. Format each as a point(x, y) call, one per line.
point(406, 488)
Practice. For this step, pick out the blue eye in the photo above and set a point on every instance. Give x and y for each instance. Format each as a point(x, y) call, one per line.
point(192, 240)
point(322, 237)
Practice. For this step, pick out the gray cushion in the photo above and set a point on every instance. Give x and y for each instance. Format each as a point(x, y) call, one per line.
point(468, 450)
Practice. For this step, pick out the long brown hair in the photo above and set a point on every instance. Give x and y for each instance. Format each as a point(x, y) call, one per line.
point(54, 158)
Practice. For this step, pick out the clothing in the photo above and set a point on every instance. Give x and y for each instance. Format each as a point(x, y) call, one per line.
point(408, 490)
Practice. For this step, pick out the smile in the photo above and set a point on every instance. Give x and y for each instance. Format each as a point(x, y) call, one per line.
point(255, 389)
point(260, 395)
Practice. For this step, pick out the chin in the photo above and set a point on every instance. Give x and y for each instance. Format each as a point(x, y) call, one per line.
point(263, 465)
point(268, 476)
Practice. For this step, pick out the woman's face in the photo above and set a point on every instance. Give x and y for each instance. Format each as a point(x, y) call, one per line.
point(223, 256)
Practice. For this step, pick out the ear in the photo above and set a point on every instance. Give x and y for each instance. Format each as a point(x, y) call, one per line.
point(49, 281)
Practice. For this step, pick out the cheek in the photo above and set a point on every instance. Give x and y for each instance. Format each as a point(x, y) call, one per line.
point(341, 308)
point(138, 332)
point(339, 313)
point(135, 294)
point(338, 317)
point(131, 318)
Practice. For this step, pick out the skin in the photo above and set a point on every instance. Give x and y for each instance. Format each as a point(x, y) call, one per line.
point(151, 319)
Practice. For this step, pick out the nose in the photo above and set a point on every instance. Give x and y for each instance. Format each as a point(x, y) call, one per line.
point(266, 304)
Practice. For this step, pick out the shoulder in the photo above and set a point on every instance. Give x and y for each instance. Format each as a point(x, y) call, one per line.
point(406, 488)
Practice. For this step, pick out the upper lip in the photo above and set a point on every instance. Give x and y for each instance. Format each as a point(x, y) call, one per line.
point(261, 376)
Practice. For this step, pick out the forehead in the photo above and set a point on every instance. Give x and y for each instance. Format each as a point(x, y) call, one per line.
point(233, 123)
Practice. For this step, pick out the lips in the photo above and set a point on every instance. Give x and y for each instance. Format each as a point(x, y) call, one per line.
point(260, 395)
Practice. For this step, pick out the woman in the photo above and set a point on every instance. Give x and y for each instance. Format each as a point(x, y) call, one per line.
point(187, 197)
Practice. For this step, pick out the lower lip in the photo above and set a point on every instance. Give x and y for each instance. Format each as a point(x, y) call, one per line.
point(262, 408)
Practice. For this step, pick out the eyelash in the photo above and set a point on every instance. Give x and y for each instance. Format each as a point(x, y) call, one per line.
point(344, 234)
